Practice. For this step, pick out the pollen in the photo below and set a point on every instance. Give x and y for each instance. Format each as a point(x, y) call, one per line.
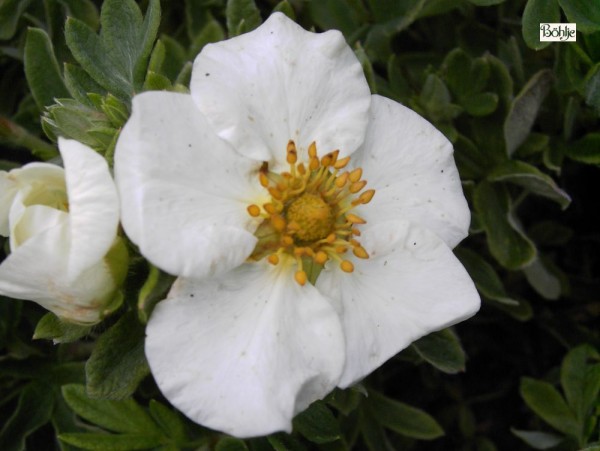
point(308, 219)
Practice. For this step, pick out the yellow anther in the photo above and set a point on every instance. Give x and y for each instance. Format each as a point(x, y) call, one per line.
point(298, 251)
point(300, 277)
point(254, 210)
point(312, 150)
point(264, 181)
point(275, 193)
point(341, 180)
point(355, 219)
point(308, 252)
point(326, 160)
point(347, 266)
point(341, 163)
point(301, 169)
point(340, 249)
point(355, 175)
point(320, 257)
point(293, 226)
point(355, 232)
point(334, 156)
point(273, 259)
point(360, 252)
point(313, 164)
point(366, 197)
point(330, 238)
point(292, 154)
point(357, 186)
point(278, 222)
point(287, 240)
point(270, 208)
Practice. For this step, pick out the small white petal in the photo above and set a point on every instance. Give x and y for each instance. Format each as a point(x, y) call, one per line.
point(410, 164)
point(36, 271)
point(34, 220)
point(245, 352)
point(8, 189)
point(411, 285)
point(93, 206)
point(280, 82)
point(184, 192)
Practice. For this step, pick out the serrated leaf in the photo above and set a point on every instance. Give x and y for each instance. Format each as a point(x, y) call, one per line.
point(118, 363)
point(531, 178)
point(42, 70)
point(403, 419)
point(242, 16)
point(443, 350)
point(485, 276)
point(118, 416)
point(535, 13)
point(317, 424)
point(32, 412)
point(584, 13)
point(538, 439)
point(547, 403)
point(580, 379)
point(524, 109)
point(112, 442)
point(52, 327)
point(507, 243)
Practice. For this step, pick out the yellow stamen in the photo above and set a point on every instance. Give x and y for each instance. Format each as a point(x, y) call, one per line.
point(341, 163)
point(254, 210)
point(360, 252)
point(273, 259)
point(347, 266)
point(357, 186)
point(292, 154)
point(301, 277)
point(355, 175)
point(352, 218)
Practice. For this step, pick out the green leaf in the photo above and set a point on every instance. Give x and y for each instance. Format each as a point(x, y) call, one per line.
point(480, 104)
point(585, 150)
point(84, 10)
point(584, 13)
point(506, 241)
point(170, 422)
point(484, 275)
point(317, 424)
point(117, 58)
point(52, 327)
point(443, 350)
point(538, 439)
point(546, 402)
point(33, 410)
point(542, 279)
point(403, 419)
point(531, 178)
point(580, 379)
point(471, 162)
point(524, 109)
point(118, 363)
point(10, 13)
point(211, 32)
point(286, 8)
point(231, 444)
point(118, 416)
point(79, 84)
point(242, 16)
point(486, 2)
point(42, 70)
point(535, 13)
point(104, 442)
point(592, 88)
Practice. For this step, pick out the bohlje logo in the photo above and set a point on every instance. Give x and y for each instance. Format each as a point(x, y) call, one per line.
point(558, 32)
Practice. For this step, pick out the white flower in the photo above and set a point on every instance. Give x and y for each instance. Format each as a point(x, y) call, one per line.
point(225, 188)
point(61, 224)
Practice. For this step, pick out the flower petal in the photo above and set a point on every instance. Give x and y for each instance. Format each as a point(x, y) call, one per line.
point(8, 189)
point(410, 286)
point(280, 82)
point(35, 271)
point(93, 206)
point(243, 353)
point(410, 164)
point(184, 191)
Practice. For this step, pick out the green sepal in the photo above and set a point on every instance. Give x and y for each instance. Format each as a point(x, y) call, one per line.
point(52, 327)
point(80, 84)
point(155, 289)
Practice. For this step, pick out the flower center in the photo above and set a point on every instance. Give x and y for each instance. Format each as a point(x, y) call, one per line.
point(308, 217)
point(313, 216)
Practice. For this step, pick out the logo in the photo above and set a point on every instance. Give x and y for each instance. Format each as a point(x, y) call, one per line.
point(558, 32)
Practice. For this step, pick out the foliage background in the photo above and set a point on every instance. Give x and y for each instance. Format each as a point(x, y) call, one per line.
point(524, 119)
